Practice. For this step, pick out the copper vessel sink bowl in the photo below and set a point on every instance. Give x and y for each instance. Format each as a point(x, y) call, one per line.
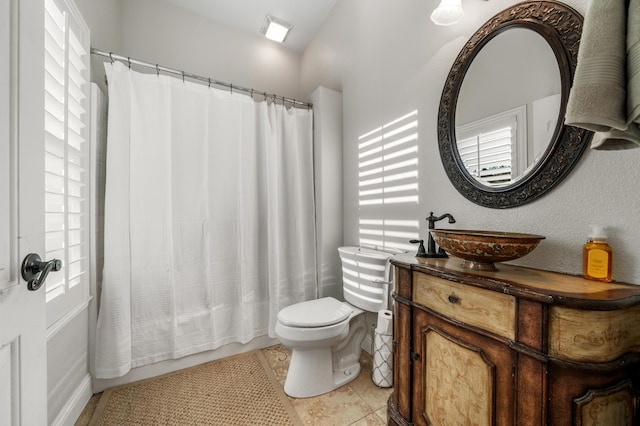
point(479, 250)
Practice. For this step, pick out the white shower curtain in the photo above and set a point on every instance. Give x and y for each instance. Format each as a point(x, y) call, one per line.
point(209, 219)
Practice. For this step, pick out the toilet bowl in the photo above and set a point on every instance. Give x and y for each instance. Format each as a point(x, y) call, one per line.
point(325, 335)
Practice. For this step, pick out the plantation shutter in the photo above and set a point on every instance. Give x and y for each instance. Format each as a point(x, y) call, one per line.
point(66, 157)
point(488, 156)
point(493, 149)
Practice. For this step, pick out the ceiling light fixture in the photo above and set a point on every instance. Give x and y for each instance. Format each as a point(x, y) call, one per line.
point(448, 12)
point(275, 29)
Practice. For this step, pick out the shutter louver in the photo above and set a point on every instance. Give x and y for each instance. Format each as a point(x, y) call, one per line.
point(66, 156)
point(487, 156)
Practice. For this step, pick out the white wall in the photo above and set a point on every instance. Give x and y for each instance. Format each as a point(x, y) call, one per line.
point(327, 159)
point(158, 32)
point(387, 58)
point(68, 378)
point(103, 19)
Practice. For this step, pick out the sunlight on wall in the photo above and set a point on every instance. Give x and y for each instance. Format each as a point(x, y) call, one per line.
point(388, 184)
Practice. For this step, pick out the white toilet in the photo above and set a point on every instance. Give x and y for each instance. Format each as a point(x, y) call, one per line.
point(325, 335)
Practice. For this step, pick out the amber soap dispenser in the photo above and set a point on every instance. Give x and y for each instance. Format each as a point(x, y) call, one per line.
point(596, 256)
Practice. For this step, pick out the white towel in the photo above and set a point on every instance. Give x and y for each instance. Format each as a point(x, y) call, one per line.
point(633, 62)
point(605, 96)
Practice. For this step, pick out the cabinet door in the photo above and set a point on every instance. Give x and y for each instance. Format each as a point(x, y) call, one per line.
point(460, 377)
point(615, 405)
point(593, 397)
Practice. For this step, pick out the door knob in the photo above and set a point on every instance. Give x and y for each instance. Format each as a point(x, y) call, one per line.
point(32, 265)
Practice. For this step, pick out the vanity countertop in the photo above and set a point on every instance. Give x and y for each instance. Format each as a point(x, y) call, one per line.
point(528, 283)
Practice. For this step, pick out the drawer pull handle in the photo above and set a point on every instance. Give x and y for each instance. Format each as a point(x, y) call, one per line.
point(453, 299)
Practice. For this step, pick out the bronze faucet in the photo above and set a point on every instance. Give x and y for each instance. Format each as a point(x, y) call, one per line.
point(431, 244)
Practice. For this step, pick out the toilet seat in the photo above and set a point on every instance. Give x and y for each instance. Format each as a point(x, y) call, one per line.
point(325, 335)
point(315, 313)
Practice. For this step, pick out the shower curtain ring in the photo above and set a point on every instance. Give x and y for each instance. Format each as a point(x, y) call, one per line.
point(209, 82)
point(129, 61)
point(251, 94)
point(157, 70)
point(231, 88)
point(183, 76)
point(111, 56)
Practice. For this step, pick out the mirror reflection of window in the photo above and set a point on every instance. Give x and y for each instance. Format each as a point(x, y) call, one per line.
point(494, 149)
point(529, 75)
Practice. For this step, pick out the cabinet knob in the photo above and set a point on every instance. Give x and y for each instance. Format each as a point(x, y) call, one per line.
point(453, 298)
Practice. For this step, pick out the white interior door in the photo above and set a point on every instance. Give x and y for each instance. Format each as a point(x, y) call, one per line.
point(23, 373)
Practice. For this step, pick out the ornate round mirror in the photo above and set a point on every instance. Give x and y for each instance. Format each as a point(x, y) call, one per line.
point(501, 131)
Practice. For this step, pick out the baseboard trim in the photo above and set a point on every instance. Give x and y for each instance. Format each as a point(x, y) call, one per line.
point(170, 365)
point(75, 404)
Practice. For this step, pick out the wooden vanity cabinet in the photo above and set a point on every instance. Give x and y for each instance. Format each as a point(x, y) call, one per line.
point(514, 347)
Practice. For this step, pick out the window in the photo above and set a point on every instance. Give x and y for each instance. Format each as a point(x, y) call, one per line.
point(66, 157)
point(493, 149)
point(388, 185)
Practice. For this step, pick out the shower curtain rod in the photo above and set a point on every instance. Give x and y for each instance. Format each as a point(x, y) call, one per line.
point(183, 74)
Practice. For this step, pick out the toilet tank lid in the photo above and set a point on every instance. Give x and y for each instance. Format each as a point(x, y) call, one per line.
point(315, 313)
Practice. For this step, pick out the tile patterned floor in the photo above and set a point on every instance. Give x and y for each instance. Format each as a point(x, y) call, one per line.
point(359, 403)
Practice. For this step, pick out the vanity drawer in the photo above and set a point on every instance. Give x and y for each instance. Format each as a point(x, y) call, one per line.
point(593, 336)
point(486, 309)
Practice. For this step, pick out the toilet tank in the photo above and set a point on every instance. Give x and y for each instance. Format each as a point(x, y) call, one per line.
point(365, 277)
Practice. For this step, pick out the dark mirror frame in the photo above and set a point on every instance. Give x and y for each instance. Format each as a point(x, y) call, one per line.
point(561, 27)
